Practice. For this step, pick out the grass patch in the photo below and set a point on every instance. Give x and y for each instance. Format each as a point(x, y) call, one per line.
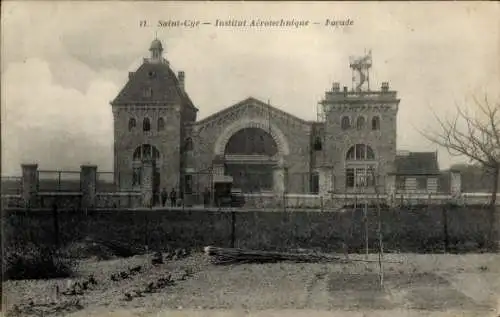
point(35, 262)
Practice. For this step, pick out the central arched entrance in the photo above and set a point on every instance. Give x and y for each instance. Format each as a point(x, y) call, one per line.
point(146, 152)
point(250, 156)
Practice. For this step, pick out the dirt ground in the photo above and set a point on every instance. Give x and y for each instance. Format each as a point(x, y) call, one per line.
point(422, 285)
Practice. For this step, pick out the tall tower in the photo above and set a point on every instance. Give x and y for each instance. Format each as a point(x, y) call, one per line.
point(360, 131)
point(150, 114)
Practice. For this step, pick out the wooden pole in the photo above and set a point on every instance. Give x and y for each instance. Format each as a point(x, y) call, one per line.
point(55, 215)
point(146, 229)
point(366, 229)
point(379, 232)
point(380, 244)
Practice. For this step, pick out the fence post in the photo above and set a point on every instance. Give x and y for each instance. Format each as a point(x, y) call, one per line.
point(146, 229)
point(59, 177)
point(55, 215)
point(88, 179)
point(29, 184)
point(233, 227)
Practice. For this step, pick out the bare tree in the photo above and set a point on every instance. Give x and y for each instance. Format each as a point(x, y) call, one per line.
point(475, 136)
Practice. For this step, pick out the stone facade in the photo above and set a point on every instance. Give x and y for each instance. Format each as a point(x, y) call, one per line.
point(191, 151)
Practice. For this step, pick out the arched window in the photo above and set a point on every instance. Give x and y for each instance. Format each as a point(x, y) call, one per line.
point(360, 175)
point(251, 141)
point(188, 144)
point(146, 124)
point(161, 124)
point(345, 123)
point(131, 124)
point(360, 123)
point(146, 151)
point(376, 123)
point(360, 152)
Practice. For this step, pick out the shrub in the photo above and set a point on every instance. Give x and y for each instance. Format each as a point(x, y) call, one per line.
point(35, 262)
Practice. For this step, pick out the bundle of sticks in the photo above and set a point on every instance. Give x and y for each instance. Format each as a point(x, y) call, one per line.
point(230, 255)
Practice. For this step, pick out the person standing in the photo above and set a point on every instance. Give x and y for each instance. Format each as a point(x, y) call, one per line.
point(173, 197)
point(164, 197)
point(206, 197)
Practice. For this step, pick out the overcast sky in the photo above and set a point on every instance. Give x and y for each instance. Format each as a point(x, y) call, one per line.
point(62, 62)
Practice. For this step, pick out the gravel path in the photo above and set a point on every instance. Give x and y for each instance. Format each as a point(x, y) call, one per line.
point(435, 284)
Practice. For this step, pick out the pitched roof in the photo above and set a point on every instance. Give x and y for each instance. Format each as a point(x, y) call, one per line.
point(246, 101)
point(151, 83)
point(417, 163)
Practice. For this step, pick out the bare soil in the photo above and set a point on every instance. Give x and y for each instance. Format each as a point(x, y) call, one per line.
point(430, 285)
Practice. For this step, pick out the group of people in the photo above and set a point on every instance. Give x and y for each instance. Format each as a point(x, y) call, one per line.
point(207, 197)
point(173, 197)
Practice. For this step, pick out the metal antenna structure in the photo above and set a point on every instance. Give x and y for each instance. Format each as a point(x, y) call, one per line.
point(361, 71)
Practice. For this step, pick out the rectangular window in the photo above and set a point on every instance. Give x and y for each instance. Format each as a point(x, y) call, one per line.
point(188, 183)
point(349, 178)
point(370, 177)
point(315, 183)
point(360, 177)
point(422, 183)
point(136, 176)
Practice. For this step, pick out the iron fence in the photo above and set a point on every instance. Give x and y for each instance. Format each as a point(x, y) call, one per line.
point(11, 185)
point(59, 181)
point(105, 182)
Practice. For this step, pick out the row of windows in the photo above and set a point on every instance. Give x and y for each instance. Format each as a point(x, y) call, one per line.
point(420, 183)
point(356, 152)
point(146, 124)
point(360, 123)
point(360, 177)
point(345, 124)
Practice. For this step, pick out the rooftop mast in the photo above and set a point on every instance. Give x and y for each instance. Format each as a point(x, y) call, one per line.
point(361, 71)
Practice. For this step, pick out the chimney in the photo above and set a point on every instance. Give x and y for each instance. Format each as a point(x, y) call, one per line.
point(181, 77)
point(130, 74)
point(336, 87)
point(385, 86)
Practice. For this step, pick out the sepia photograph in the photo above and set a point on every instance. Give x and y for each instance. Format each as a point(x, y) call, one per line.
point(175, 158)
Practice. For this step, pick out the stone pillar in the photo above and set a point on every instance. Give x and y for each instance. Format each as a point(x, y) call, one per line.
point(455, 184)
point(326, 185)
point(147, 183)
point(217, 166)
point(29, 184)
point(279, 185)
point(88, 180)
point(390, 188)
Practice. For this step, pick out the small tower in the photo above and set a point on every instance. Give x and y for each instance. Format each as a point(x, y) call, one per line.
point(156, 50)
point(150, 113)
point(360, 130)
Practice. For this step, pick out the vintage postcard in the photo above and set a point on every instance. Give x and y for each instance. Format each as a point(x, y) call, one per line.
point(250, 158)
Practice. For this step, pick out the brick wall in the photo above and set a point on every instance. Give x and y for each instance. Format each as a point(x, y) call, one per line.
point(167, 141)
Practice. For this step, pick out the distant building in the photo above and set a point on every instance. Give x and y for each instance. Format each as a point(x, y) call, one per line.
point(351, 147)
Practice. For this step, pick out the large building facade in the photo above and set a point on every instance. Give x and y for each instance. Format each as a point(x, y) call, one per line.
point(159, 143)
